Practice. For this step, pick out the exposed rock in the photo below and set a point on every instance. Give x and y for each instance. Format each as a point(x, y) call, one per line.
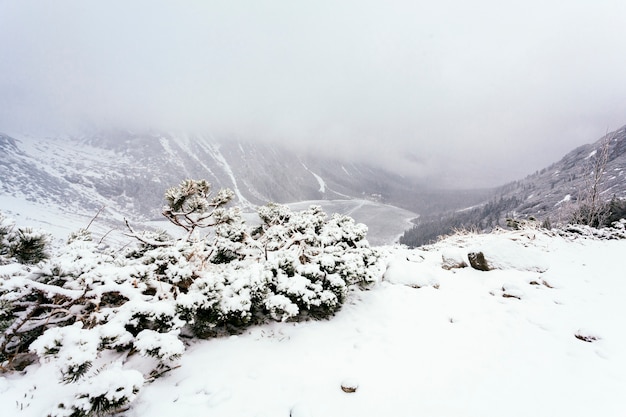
point(349, 386)
point(477, 261)
point(584, 338)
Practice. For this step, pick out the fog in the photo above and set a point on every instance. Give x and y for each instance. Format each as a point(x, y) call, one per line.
point(457, 93)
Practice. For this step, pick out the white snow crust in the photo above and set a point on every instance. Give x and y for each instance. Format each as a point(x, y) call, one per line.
point(424, 341)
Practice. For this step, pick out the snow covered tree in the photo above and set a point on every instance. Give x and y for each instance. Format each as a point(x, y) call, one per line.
point(591, 209)
point(191, 205)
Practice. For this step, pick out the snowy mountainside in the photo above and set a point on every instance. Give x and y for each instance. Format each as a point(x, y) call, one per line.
point(547, 192)
point(550, 195)
point(539, 334)
point(131, 171)
point(127, 174)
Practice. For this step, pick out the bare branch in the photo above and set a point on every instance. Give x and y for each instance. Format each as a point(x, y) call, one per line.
point(105, 235)
point(94, 217)
point(142, 239)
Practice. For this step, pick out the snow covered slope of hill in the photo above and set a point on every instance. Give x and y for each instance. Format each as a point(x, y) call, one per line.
point(549, 192)
point(129, 172)
point(540, 334)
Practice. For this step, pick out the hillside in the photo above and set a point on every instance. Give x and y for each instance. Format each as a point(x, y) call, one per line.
point(547, 192)
point(550, 195)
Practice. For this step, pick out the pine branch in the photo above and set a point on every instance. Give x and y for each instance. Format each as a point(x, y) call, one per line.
point(142, 239)
point(17, 324)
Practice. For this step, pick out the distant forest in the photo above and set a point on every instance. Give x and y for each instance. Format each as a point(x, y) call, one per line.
point(500, 212)
point(484, 217)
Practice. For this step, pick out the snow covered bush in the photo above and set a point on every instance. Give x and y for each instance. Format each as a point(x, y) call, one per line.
point(313, 261)
point(26, 245)
point(6, 235)
point(88, 307)
point(108, 392)
point(29, 246)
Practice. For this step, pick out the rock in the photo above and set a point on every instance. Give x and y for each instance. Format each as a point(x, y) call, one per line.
point(587, 336)
point(452, 260)
point(349, 386)
point(477, 261)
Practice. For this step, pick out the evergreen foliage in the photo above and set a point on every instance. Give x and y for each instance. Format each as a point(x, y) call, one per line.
point(29, 247)
point(86, 304)
point(25, 245)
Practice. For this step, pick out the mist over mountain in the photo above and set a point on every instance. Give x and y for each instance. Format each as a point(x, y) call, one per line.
point(130, 171)
point(126, 174)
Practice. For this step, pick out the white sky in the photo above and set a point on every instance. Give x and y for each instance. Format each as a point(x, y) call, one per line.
point(472, 93)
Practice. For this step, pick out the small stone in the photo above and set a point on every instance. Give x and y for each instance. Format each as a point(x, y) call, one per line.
point(349, 386)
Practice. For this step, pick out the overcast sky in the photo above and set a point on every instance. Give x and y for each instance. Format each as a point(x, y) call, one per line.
point(473, 92)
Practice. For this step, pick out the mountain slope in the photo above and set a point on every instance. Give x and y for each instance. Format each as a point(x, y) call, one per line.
point(127, 173)
point(547, 193)
point(551, 195)
point(130, 172)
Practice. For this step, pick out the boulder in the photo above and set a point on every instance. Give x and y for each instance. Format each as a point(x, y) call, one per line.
point(477, 261)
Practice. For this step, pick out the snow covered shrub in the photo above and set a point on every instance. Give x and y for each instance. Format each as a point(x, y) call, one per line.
point(313, 261)
point(29, 246)
point(87, 306)
point(230, 236)
point(26, 245)
point(225, 299)
point(164, 346)
point(6, 235)
point(59, 292)
point(74, 347)
point(80, 234)
point(106, 393)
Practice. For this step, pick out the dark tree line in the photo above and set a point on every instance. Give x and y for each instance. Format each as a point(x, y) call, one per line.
point(484, 217)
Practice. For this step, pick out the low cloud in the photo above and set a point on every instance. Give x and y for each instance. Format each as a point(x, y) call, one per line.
point(459, 93)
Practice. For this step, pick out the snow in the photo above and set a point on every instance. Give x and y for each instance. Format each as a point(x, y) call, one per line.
point(565, 199)
point(539, 335)
point(215, 152)
point(319, 179)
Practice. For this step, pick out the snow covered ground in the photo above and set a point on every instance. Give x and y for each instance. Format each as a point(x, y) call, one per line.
point(542, 335)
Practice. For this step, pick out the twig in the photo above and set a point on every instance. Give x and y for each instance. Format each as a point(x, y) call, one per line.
point(94, 217)
point(142, 239)
point(105, 235)
point(155, 376)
